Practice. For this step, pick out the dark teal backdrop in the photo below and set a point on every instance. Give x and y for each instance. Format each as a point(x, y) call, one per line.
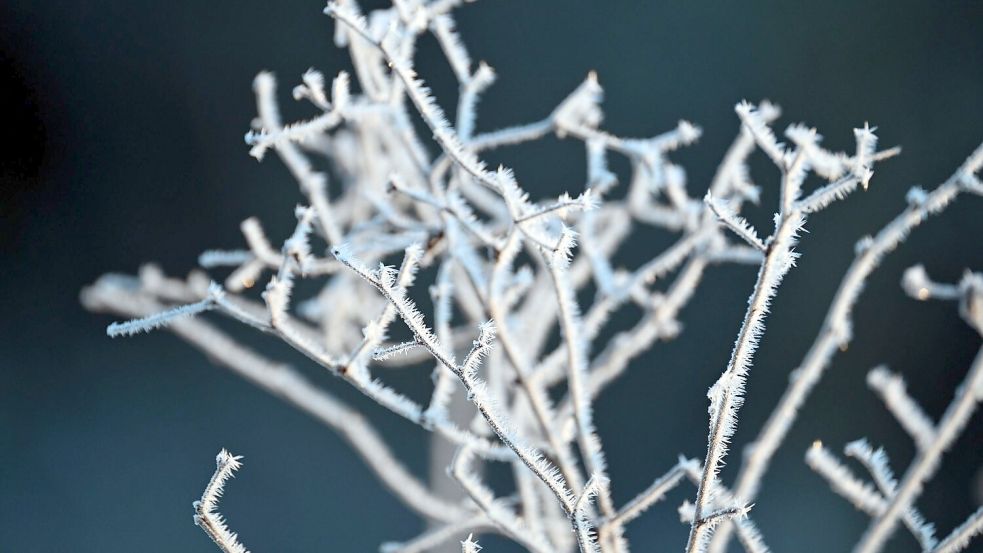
point(122, 131)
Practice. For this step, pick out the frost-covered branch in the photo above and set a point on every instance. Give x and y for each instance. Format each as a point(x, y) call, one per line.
point(495, 509)
point(533, 309)
point(581, 524)
point(836, 332)
point(735, 223)
point(120, 295)
point(962, 535)
point(862, 494)
point(877, 464)
point(910, 415)
point(655, 492)
point(163, 318)
point(207, 516)
point(727, 394)
point(928, 460)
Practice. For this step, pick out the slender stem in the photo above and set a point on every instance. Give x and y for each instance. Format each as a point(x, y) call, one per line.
point(728, 390)
point(577, 378)
point(538, 400)
point(656, 491)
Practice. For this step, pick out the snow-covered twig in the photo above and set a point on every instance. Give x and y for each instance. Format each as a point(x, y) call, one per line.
point(960, 537)
point(891, 388)
point(207, 516)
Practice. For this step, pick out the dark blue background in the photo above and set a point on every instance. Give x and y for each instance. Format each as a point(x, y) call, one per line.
point(122, 131)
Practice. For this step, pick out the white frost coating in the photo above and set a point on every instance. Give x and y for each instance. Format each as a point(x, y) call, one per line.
point(470, 546)
point(757, 124)
point(581, 522)
point(165, 318)
point(961, 536)
point(877, 463)
point(158, 320)
point(207, 516)
point(734, 222)
point(501, 261)
point(588, 440)
point(861, 494)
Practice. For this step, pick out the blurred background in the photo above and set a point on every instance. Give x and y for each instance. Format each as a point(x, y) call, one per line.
point(123, 144)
